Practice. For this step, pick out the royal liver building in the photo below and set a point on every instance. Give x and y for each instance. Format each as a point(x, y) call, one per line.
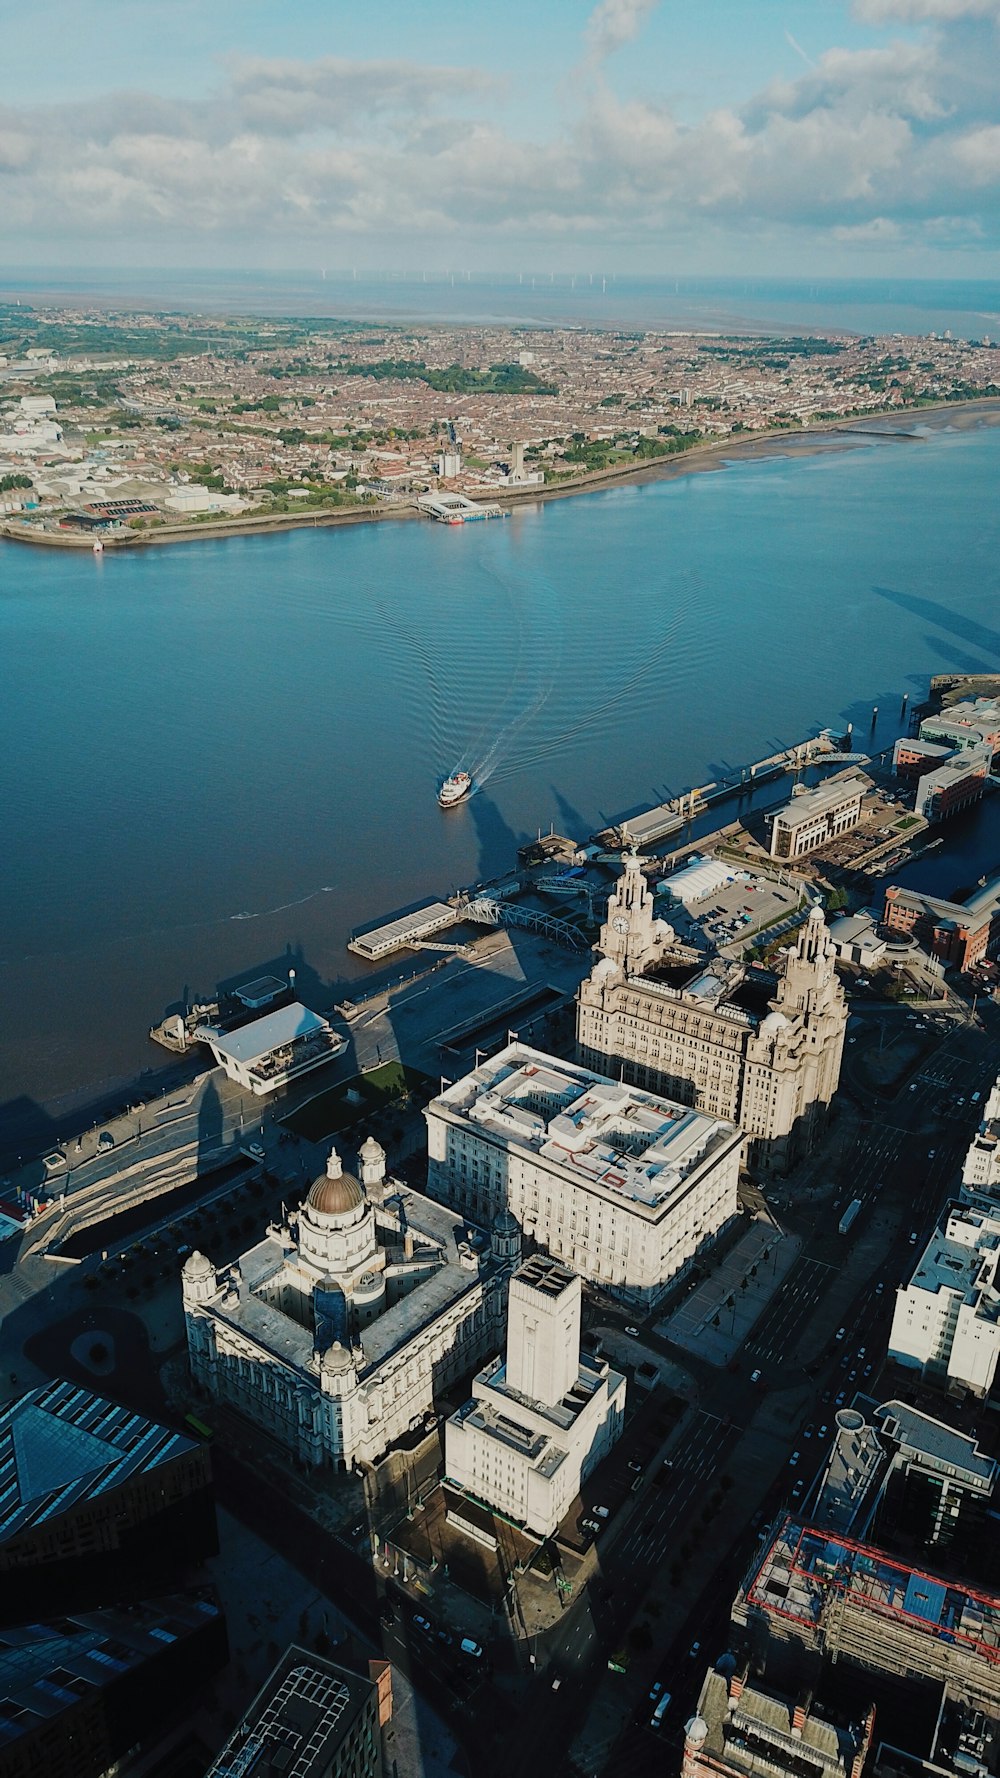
point(731, 1040)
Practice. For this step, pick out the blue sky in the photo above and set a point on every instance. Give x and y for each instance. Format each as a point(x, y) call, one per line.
point(806, 137)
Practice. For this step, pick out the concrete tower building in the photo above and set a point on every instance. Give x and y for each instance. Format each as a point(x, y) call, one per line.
point(719, 1036)
point(540, 1419)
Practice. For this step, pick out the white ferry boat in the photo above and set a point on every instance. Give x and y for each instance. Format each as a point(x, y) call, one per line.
point(454, 788)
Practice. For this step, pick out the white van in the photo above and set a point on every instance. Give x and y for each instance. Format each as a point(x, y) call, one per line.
point(660, 1712)
point(469, 1647)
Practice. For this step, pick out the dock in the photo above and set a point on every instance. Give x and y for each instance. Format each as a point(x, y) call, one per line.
point(666, 818)
point(456, 509)
point(403, 930)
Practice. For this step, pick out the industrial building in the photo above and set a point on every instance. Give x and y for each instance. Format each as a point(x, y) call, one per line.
point(97, 1503)
point(733, 1041)
point(624, 1187)
point(832, 1595)
point(946, 1321)
point(338, 1330)
point(812, 818)
point(541, 1417)
point(961, 934)
point(310, 1719)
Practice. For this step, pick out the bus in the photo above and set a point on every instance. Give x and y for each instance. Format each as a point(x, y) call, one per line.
point(198, 1427)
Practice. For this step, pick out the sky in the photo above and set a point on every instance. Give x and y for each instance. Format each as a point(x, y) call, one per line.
point(796, 138)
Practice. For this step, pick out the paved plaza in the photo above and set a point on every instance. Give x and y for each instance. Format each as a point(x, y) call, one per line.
point(714, 1320)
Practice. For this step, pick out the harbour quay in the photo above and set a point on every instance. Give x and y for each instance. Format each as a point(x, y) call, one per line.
point(403, 931)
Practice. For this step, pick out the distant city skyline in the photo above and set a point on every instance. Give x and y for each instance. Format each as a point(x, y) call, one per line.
point(827, 138)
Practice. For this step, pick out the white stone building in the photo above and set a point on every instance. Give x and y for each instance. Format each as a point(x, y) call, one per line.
point(625, 1187)
point(339, 1330)
point(721, 1036)
point(946, 1322)
point(541, 1418)
point(813, 818)
point(981, 1168)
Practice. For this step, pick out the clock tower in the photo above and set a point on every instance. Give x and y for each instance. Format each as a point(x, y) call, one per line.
point(631, 934)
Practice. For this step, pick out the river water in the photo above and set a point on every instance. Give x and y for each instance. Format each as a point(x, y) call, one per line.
point(220, 757)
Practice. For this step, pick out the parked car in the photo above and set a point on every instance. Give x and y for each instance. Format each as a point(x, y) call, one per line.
point(755, 1376)
point(602, 1512)
point(469, 1647)
point(632, 1332)
point(423, 1624)
point(793, 1459)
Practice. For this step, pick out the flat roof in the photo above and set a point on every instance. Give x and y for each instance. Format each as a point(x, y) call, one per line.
point(251, 1043)
point(602, 1133)
point(963, 1257)
point(917, 1432)
point(298, 1720)
point(395, 934)
point(809, 804)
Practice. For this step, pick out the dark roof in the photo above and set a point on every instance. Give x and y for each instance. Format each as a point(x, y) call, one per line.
point(60, 1444)
point(49, 1667)
point(300, 1716)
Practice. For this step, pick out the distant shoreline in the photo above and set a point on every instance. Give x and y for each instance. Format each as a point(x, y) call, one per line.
point(712, 454)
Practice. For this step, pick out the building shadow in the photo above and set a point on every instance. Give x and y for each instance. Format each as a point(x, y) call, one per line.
point(963, 629)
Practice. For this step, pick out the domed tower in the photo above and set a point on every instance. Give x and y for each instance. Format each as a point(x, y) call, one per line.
point(337, 1226)
point(695, 1736)
point(505, 1239)
point(372, 1158)
point(199, 1280)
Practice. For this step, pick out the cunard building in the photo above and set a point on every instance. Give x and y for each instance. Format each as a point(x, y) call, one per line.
point(727, 1039)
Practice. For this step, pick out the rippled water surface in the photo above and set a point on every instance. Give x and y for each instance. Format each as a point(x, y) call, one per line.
point(220, 755)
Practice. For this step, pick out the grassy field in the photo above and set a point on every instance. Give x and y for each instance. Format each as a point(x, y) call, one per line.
point(355, 1100)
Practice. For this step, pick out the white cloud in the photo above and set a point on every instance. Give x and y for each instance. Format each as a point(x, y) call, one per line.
point(922, 12)
point(870, 147)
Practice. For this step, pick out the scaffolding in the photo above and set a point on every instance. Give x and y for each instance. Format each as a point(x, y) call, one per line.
point(850, 1599)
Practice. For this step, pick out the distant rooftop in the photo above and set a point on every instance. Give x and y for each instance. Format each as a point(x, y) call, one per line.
point(602, 1133)
point(297, 1722)
point(60, 1445)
